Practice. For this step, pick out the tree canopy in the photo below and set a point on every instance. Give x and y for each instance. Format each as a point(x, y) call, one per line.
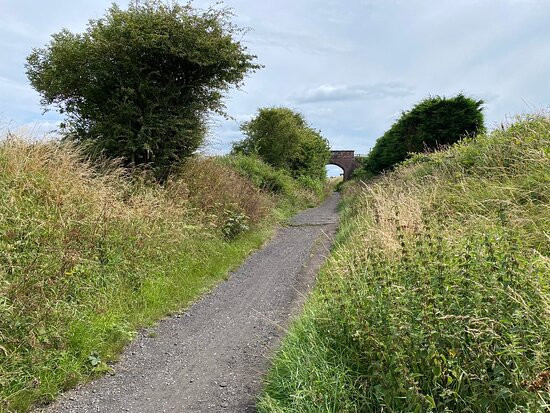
point(138, 84)
point(434, 122)
point(282, 138)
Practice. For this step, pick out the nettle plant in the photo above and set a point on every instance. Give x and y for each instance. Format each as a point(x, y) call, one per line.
point(236, 222)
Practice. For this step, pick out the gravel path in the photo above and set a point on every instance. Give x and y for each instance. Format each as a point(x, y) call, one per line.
point(212, 357)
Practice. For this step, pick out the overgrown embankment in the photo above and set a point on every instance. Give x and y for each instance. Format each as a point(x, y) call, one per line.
point(437, 297)
point(88, 254)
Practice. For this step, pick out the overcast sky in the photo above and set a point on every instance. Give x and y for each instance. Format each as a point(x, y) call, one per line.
point(349, 66)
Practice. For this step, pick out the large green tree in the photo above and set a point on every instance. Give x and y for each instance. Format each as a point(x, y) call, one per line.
point(138, 84)
point(432, 123)
point(282, 138)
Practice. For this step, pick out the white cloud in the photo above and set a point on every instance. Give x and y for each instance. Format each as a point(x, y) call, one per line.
point(351, 67)
point(33, 131)
point(329, 92)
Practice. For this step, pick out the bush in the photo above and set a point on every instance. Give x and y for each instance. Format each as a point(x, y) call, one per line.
point(139, 83)
point(213, 188)
point(431, 124)
point(437, 297)
point(291, 194)
point(316, 186)
point(277, 181)
point(235, 224)
point(283, 139)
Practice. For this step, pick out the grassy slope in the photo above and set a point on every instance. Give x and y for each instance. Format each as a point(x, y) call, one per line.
point(86, 258)
point(437, 296)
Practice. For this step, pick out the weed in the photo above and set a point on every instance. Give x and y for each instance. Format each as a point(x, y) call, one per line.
point(235, 224)
point(436, 297)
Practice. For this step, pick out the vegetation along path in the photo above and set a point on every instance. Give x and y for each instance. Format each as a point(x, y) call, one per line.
point(213, 356)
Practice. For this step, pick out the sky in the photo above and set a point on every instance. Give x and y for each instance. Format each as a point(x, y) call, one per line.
point(350, 66)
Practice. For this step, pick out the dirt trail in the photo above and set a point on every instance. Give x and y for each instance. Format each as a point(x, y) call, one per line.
point(212, 357)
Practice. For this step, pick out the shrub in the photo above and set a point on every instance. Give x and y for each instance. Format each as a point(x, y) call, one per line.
point(316, 186)
point(431, 124)
point(277, 181)
point(139, 83)
point(291, 194)
point(437, 297)
point(235, 224)
point(215, 188)
point(283, 139)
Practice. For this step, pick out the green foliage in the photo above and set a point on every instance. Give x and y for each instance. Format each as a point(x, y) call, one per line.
point(235, 224)
point(283, 139)
point(437, 297)
point(315, 185)
point(214, 188)
point(138, 84)
point(277, 181)
point(431, 124)
point(291, 194)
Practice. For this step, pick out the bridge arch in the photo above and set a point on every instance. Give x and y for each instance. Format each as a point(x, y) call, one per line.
point(334, 170)
point(346, 160)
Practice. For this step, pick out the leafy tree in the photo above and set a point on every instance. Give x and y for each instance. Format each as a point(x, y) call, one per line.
point(139, 83)
point(283, 139)
point(434, 122)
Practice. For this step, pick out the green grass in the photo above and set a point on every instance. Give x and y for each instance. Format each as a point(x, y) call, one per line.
point(437, 295)
point(291, 194)
point(88, 256)
point(107, 319)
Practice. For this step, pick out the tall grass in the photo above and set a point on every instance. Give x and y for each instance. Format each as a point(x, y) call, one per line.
point(291, 193)
point(437, 297)
point(89, 254)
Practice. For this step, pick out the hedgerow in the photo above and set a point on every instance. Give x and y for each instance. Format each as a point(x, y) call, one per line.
point(431, 124)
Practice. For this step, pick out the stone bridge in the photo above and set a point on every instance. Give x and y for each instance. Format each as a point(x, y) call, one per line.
point(345, 160)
